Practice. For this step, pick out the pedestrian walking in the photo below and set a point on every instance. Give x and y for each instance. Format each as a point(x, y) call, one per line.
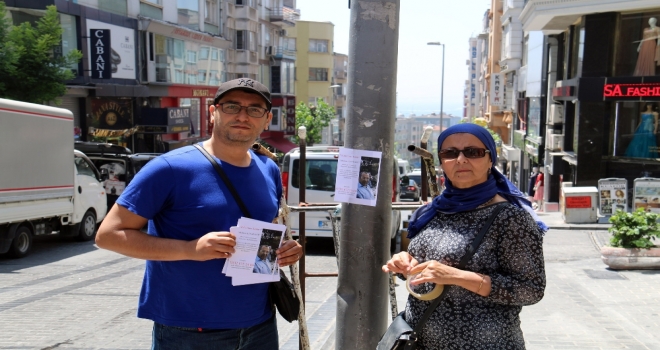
point(189, 211)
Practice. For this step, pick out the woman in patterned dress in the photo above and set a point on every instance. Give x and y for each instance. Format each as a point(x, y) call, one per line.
point(483, 302)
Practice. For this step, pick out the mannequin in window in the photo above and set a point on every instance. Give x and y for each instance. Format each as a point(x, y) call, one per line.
point(643, 144)
point(649, 50)
point(538, 190)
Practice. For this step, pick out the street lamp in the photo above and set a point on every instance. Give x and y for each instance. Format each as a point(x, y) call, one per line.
point(442, 84)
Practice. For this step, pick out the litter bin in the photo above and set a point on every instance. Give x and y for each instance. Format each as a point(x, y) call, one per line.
point(579, 205)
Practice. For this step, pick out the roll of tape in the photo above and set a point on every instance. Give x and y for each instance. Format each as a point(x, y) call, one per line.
point(437, 290)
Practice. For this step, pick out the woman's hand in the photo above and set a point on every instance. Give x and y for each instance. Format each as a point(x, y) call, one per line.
point(435, 272)
point(400, 263)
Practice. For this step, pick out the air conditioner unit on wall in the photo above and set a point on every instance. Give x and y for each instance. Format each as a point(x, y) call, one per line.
point(555, 142)
point(556, 115)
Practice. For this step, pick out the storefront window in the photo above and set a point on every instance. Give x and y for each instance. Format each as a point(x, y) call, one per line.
point(187, 62)
point(636, 130)
point(638, 46)
point(193, 104)
point(534, 117)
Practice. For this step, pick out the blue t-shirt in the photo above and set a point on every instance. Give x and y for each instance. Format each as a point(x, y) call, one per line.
point(184, 198)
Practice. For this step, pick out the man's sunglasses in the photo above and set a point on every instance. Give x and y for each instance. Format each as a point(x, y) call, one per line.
point(233, 108)
point(468, 152)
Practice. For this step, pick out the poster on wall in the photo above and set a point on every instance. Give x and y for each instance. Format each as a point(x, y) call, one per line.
point(647, 194)
point(612, 196)
point(122, 49)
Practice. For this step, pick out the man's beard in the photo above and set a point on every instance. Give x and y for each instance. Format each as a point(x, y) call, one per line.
point(237, 139)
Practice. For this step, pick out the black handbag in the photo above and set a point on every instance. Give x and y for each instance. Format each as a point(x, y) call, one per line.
point(282, 293)
point(399, 335)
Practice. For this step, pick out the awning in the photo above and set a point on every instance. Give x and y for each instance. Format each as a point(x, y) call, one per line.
point(280, 144)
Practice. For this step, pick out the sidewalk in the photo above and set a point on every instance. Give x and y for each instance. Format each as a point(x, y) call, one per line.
point(321, 312)
point(555, 221)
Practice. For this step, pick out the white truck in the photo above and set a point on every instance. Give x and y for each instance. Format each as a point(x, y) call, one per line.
point(45, 186)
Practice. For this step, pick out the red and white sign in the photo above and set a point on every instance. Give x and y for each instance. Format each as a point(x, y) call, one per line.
point(578, 202)
point(631, 90)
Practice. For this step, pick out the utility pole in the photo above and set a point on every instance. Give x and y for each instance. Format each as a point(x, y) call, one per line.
point(362, 290)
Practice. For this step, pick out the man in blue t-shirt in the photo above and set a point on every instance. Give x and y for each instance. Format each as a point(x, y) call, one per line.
point(189, 211)
point(363, 190)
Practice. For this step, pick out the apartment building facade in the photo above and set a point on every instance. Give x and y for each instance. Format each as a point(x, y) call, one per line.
point(168, 57)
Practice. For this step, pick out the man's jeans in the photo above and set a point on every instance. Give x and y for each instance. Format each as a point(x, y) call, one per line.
point(260, 337)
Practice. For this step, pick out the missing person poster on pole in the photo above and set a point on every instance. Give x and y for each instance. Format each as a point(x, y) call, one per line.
point(612, 195)
point(357, 176)
point(647, 194)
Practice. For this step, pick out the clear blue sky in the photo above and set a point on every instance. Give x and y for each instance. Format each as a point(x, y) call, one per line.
point(419, 65)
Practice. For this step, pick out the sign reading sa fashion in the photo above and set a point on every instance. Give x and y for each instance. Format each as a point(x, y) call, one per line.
point(101, 68)
point(631, 90)
point(496, 90)
point(120, 48)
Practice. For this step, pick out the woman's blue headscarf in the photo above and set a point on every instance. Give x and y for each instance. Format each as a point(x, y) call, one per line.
point(456, 200)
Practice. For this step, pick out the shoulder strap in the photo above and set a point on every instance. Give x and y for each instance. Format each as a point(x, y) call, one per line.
point(224, 178)
point(468, 255)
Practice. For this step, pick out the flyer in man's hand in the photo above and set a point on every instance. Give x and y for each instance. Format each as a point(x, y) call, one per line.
point(254, 260)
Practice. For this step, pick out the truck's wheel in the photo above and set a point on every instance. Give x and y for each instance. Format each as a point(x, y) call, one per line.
point(87, 227)
point(22, 243)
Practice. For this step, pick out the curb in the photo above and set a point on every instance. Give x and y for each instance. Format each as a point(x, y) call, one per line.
point(593, 227)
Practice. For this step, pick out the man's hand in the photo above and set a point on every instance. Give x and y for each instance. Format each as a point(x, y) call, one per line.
point(213, 245)
point(400, 263)
point(289, 253)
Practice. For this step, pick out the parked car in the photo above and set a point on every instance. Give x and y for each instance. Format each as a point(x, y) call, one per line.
point(409, 189)
point(417, 176)
point(321, 167)
point(118, 162)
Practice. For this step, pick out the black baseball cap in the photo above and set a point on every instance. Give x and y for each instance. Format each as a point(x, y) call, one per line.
point(245, 84)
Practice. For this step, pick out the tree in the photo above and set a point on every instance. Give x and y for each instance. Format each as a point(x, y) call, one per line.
point(38, 74)
point(8, 55)
point(314, 118)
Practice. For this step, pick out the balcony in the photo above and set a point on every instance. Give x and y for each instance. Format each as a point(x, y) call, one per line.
point(340, 74)
point(246, 12)
point(284, 16)
point(554, 16)
point(282, 53)
point(246, 56)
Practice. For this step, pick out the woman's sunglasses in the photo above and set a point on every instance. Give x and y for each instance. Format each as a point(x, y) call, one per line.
point(468, 152)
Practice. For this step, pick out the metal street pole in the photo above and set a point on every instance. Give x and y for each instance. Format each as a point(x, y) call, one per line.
point(362, 288)
point(442, 84)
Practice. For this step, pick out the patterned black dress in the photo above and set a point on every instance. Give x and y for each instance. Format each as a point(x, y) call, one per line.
point(511, 253)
